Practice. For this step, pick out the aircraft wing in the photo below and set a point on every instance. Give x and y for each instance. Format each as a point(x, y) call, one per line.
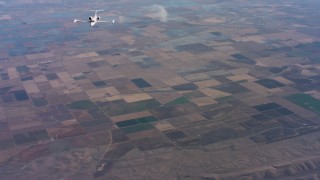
point(79, 20)
point(103, 21)
point(112, 21)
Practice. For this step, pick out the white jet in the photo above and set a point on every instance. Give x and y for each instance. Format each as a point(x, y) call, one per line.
point(93, 20)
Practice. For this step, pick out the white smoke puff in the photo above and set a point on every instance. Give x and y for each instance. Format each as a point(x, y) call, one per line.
point(159, 12)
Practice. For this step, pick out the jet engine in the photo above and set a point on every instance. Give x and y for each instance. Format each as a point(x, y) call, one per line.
point(98, 18)
point(90, 18)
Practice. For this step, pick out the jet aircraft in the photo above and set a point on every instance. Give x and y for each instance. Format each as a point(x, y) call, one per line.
point(93, 19)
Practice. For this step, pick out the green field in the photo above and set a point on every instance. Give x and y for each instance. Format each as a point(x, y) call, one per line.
point(178, 101)
point(137, 128)
point(132, 122)
point(39, 101)
point(306, 101)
